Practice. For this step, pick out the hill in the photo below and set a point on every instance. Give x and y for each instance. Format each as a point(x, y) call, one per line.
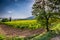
point(31, 17)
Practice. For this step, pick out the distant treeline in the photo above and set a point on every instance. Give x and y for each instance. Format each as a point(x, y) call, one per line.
point(5, 19)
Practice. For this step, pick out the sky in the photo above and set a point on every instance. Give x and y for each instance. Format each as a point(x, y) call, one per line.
point(16, 8)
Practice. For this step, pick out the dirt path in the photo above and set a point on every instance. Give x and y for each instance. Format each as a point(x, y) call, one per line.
point(56, 38)
point(9, 31)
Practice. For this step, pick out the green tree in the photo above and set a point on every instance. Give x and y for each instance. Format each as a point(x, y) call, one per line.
point(5, 20)
point(46, 11)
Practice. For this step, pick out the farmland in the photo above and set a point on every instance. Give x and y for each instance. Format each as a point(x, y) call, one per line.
point(30, 24)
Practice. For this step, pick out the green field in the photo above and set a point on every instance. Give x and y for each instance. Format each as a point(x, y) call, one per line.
point(29, 24)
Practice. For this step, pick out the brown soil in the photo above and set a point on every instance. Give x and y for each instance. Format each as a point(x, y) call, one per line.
point(11, 32)
point(56, 38)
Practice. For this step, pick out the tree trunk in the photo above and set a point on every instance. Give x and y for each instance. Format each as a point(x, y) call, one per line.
point(47, 27)
point(47, 23)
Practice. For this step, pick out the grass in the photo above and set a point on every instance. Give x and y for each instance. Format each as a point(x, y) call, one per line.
point(56, 28)
point(2, 37)
point(29, 24)
point(43, 36)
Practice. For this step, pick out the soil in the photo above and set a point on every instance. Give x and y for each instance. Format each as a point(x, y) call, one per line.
point(11, 32)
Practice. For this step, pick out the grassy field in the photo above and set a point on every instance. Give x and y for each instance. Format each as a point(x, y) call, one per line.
point(30, 24)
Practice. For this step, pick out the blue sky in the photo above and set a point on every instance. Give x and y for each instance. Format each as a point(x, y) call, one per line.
point(16, 8)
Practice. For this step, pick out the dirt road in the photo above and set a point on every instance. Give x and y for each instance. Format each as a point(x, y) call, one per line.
point(9, 31)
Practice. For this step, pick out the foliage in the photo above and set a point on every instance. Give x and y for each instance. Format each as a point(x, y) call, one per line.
point(46, 11)
point(56, 28)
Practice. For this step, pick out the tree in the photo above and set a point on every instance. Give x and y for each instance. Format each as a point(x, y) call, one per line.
point(10, 19)
point(46, 11)
point(5, 20)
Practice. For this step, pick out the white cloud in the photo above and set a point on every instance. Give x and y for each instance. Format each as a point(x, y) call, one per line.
point(9, 11)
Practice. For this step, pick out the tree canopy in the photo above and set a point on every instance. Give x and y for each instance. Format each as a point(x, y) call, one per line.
point(46, 11)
